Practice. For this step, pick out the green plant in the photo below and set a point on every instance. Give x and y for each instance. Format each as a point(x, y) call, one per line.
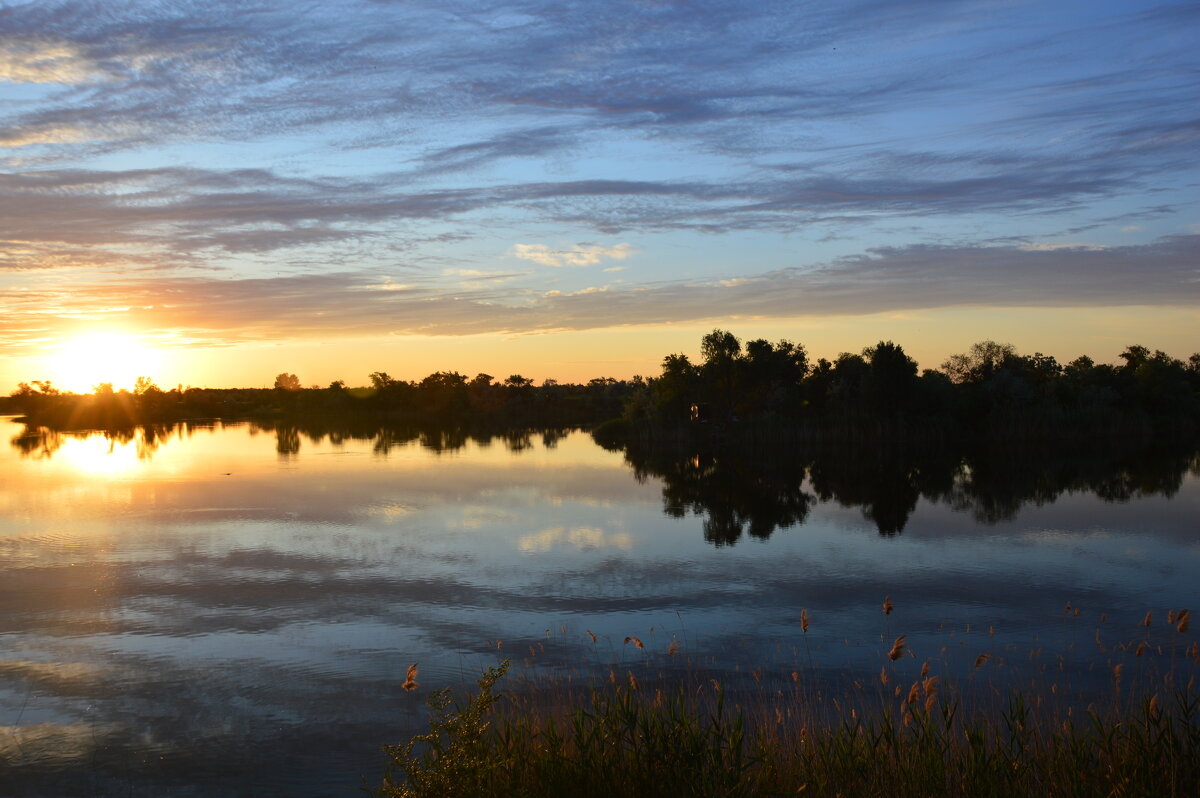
point(454, 758)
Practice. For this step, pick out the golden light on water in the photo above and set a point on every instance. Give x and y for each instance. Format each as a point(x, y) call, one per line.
point(84, 361)
point(97, 456)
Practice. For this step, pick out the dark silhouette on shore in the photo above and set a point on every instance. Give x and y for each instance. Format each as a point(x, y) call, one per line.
point(767, 390)
point(445, 397)
point(756, 391)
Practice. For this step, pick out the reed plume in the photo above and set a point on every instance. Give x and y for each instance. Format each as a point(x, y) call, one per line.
point(897, 649)
point(914, 693)
point(887, 605)
point(410, 679)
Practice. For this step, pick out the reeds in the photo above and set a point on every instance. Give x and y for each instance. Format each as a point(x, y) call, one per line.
point(956, 732)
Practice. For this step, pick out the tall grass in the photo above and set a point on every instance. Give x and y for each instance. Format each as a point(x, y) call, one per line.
point(903, 734)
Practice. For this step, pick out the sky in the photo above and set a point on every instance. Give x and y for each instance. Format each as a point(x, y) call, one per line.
point(229, 190)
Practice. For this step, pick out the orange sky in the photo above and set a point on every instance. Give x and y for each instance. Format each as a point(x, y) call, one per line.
point(930, 336)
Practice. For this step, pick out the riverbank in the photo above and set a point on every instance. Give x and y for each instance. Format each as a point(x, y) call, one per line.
point(915, 729)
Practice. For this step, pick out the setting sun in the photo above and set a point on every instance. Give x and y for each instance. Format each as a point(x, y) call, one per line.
point(85, 361)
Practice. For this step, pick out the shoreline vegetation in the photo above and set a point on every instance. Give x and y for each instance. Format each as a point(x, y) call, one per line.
point(1120, 718)
point(761, 390)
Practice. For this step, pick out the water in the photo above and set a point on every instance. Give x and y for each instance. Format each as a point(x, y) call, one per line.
point(230, 610)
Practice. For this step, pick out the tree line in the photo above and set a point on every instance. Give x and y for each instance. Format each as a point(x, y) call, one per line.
point(442, 397)
point(989, 385)
point(760, 383)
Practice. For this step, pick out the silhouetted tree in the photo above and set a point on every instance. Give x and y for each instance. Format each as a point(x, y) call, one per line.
point(984, 359)
point(676, 388)
point(892, 378)
point(381, 380)
point(771, 375)
point(720, 350)
point(287, 382)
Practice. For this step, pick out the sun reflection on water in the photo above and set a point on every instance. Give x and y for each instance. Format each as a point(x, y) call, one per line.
point(99, 456)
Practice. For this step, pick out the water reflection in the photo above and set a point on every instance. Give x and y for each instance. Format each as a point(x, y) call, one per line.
point(758, 490)
point(184, 607)
point(749, 491)
point(37, 442)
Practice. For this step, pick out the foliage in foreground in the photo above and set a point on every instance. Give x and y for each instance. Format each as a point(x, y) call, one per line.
point(620, 740)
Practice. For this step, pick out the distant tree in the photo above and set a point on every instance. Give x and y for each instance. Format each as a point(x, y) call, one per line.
point(287, 382)
point(444, 380)
point(144, 385)
point(381, 380)
point(721, 351)
point(484, 395)
point(892, 378)
point(849, 381)
point(1079, 368)
point(982, 361)
point(443, 392)
point(770, 375)
point(676, 388)
point(1135, 356)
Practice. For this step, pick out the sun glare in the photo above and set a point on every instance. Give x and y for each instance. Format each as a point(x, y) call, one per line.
point(83, 362)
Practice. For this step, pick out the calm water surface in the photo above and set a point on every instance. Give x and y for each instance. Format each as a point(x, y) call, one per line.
point(230, 610)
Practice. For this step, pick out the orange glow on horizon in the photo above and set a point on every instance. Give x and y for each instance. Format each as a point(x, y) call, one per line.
point(171, 358)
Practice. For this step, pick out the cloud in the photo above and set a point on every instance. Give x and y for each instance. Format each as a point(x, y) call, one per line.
point(477, 275)
point(33, 60)
point(580, 537)
point(1046, 247)
point(225, 311)
point(577, 255)
point(187, 217)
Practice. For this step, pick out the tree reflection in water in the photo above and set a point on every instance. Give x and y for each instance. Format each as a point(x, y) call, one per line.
point(760, 489)
point(756, 490)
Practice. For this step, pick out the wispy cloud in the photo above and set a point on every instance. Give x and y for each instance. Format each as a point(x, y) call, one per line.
point(226, 311)
point(41, 60)
point(577, 255)
point(1052, 247)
